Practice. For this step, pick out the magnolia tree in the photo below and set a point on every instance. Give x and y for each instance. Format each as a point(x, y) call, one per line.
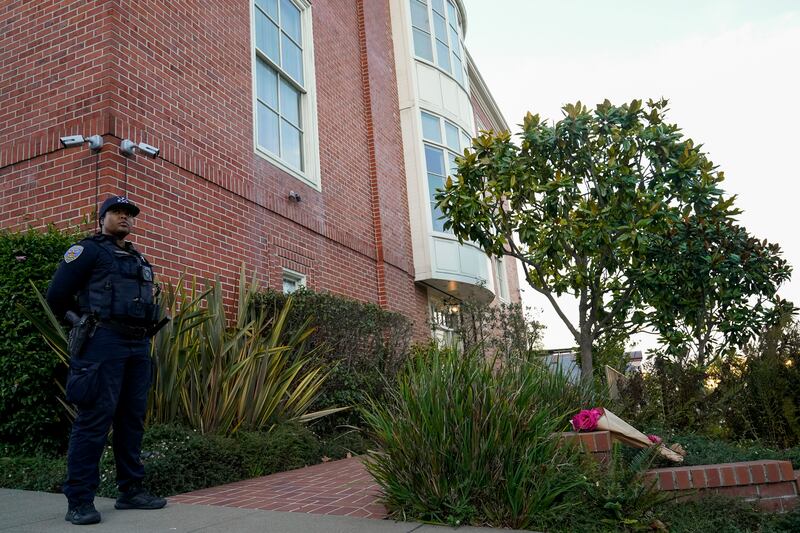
point(712, 286)
point(583, 204)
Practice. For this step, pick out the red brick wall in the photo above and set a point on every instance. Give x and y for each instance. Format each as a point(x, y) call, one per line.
point(773, 485)
point(178, 75)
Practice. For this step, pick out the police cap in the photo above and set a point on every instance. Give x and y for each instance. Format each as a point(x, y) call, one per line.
point(120, 202)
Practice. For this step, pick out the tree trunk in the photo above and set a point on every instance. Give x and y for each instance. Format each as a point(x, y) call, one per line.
point(587, 371)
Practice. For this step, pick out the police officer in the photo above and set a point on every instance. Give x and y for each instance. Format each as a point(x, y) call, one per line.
point(105, 277)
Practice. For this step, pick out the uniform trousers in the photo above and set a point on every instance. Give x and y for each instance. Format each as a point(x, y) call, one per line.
point(124, 377)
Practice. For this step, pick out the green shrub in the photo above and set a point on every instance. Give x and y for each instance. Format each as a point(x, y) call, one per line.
point(703, 450)
point(40, 473)
point(464, 442)
point(366, 344)
point(728, 515)
point(220, 377)
point(286, 447)
point(618, 493)
point(764, 387)
point(338, 445)
point(178, 460)
point(30, 416)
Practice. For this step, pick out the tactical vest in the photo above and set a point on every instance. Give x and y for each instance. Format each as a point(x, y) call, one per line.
point(122, 292)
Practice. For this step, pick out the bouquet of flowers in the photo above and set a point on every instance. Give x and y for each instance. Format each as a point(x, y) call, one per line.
point(599, 419)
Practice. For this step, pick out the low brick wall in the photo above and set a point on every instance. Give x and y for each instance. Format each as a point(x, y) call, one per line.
point(598, 443)
point(772, 484)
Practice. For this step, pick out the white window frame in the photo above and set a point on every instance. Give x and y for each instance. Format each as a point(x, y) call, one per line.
point(464, 138)
point(431, 30)
point(308, 106)
point(502, 279)
point(439, 313)
point(293, 276)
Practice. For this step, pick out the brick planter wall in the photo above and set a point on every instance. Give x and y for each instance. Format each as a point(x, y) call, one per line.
point(597, 443)
point(773, 485)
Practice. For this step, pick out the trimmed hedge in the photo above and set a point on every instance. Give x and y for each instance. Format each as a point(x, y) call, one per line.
point(31, 418)
point(179, 460)
point(367, 344)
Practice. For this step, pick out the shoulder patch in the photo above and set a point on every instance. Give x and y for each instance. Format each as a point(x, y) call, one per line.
point(73, 253)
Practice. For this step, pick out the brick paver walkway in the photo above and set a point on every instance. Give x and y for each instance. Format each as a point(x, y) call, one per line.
point(335, 488)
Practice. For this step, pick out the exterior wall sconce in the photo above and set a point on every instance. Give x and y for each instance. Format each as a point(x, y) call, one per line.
point(295, 197)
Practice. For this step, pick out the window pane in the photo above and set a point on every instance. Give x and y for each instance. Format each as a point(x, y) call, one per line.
point(430, 128)
point(451, 14)
point(292, 59)
point(434, 160)
point(436, 218)
point(270, 6)
point(452, 168)
point(419, 16)
point(454, 42)
point(291, 150)
point(290, 20)
point(440, 27)
point(267, 84)
point(434, 183)
point(422, 44)
point(466, 141)
point(443, 55)
point(451, 132)
point(458, 70)
point(267, 37)
point(268, 129)
point(438, 5)
point(290, 103)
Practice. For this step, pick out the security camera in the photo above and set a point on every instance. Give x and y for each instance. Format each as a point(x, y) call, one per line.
point(95, 142)
point(126, 147)
point(152, 151)
point(72, 140)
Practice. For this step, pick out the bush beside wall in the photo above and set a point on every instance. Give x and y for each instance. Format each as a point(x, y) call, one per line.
point(30, 416)
point(366, 343)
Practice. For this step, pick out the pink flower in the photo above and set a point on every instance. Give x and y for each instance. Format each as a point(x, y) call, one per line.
point(655, 439)
point(21, 258)
point(586, 420)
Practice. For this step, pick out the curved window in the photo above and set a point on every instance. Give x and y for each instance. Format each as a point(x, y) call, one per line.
point(437, 35)
point(442, 142)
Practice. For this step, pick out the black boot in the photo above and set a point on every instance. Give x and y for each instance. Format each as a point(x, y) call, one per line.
point(82, 514)
point(137, 497)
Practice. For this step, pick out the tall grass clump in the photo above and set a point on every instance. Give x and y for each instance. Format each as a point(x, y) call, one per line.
point(219, 376)
point(465, 441)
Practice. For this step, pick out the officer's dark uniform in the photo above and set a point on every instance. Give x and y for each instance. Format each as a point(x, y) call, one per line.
point(115, 284)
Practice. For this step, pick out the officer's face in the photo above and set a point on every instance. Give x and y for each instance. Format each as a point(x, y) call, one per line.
point(117, 222)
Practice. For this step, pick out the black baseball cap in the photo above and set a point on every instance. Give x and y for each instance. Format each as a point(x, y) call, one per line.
point(120, 202)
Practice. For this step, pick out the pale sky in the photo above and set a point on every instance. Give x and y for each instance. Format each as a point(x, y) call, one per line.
point(729, 68)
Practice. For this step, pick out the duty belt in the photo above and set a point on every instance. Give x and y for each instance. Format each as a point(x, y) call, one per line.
point(133, 332)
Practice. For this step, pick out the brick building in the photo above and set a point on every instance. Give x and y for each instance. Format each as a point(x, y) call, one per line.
point(299, 139)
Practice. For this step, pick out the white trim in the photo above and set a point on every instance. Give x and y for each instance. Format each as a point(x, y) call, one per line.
point(311, 175)
point(502, 280)
point(291, 275)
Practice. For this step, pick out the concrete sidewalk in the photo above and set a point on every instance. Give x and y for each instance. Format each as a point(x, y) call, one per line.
point(29, 512)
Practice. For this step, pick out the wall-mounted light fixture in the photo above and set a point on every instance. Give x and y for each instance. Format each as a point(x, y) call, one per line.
point(95, 141)
point(295, 197)
point(127, 147)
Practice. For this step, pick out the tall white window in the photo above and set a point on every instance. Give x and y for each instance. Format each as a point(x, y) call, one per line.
point(438, 36)
point(285, 107)
point(502, 279)
point(443, 141)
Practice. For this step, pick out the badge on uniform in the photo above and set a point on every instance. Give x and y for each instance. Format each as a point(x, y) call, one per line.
point(73, 253)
